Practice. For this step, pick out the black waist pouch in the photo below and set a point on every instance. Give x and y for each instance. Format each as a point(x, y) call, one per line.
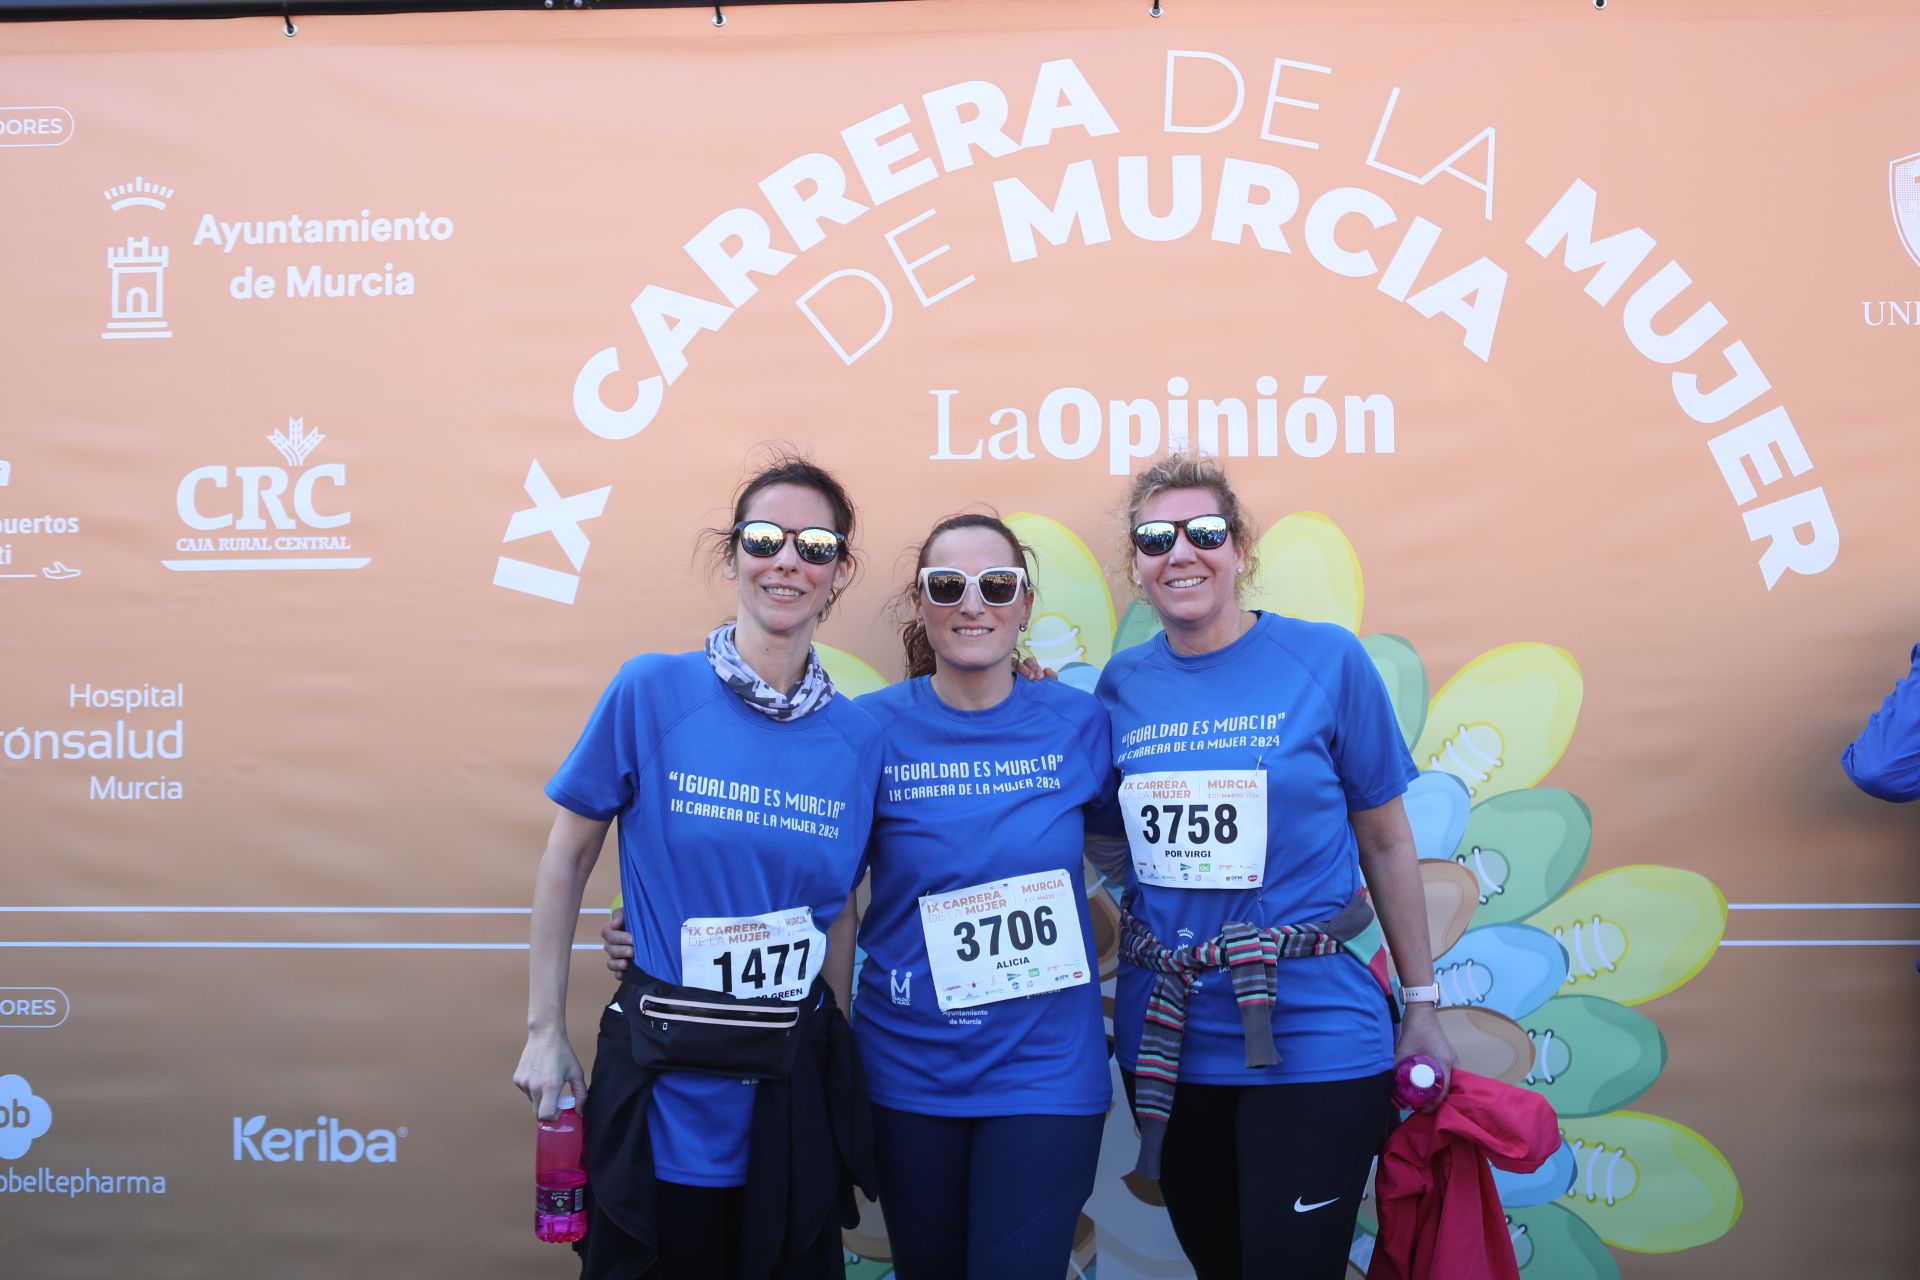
point(676, 1028)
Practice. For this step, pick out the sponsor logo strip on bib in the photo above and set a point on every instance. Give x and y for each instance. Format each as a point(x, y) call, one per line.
point(1010, 938)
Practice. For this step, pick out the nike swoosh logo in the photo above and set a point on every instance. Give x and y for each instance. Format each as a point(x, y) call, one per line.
point(1298, 1207)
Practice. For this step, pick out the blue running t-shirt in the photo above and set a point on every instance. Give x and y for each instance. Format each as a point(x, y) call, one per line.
point(970, 798)
point(724, 813)
point(1299, 708)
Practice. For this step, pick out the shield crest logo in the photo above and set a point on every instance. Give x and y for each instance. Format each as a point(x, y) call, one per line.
point(1903, 180)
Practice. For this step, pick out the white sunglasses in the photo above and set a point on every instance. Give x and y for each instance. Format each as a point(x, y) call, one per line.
point(948, 587)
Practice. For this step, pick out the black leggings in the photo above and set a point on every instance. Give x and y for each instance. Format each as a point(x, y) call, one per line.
point(700, 1233)
point(1265, 1180)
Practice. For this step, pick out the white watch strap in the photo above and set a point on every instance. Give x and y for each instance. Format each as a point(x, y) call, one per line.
point(1420, 995)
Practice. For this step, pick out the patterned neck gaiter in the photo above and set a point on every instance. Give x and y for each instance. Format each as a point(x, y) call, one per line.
point(814, 691)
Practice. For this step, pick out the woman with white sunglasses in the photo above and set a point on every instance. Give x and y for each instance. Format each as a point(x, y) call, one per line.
point(978, 1009)
point(725, 1105)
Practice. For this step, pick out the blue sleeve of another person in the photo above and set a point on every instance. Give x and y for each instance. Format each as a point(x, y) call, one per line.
point(1884, 760)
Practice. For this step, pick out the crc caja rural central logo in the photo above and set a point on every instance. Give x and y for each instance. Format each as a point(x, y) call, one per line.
point(253, 518)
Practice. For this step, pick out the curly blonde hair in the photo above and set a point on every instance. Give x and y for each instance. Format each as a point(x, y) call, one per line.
point(1192, 471)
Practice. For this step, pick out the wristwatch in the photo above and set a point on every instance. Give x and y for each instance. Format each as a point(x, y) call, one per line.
point(1421, 995)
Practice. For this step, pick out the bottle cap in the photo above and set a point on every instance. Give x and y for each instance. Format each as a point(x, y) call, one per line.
point(566, 1102)
point(1421, 1076)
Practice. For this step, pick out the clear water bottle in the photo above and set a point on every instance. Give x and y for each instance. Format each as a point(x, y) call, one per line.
point(1417, 1080)
point(560, 1178)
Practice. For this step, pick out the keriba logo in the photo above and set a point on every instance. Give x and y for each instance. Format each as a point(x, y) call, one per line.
point(328, 1142)
point(23, 1117)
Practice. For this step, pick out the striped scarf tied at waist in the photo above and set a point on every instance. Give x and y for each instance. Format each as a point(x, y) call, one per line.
point(1251, 955)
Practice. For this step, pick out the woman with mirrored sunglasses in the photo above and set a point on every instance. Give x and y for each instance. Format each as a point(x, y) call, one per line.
point(979, 1016)
point(725, 1119)
point(1262, 770)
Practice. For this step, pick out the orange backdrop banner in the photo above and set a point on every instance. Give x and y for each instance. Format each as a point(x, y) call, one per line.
point(366, 391)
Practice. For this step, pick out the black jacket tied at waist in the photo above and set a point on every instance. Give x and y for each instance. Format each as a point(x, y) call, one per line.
point(810, 1139)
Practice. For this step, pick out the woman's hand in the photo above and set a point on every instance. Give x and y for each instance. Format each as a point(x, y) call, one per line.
point(548, 1069)
point(1029, 666)
point(619, 945)
point(1420, 1033)
point(547, 1065)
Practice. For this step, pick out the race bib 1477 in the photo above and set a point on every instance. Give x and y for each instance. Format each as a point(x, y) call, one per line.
point(775, 955)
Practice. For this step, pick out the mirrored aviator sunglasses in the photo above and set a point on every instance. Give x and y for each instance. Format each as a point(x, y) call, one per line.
point(948, 587)
point(1205, 533)
point(763, 539)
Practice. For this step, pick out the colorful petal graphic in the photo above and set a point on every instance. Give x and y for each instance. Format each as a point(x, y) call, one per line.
point(869, 1239)
point(1406, 680)
point(1438, 809)
point(1543, 1186)
point(1504, 720)
point(1360, 1254)
point(1450, 893)
point(1139, 625)
point(1489, 1044)
point(1525, 847)
point(1509, 968)
point(1550, 1243)
point(1635, 933)
point(1073, 614)
point(1081, 675)
point(1592, 1055)
point(1648, 1184)
point(1308, 570)
point(851, 676)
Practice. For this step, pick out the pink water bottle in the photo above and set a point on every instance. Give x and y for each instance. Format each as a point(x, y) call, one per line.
point(560, 1178)
point(1417, 1080)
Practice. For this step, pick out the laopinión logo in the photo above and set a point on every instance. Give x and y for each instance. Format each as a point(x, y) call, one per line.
point(1903, 195)
point(328, 1141)
point(253, 518)
point(26, 1117)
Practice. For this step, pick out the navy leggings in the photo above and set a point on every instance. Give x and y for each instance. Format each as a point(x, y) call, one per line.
point(986, 1197)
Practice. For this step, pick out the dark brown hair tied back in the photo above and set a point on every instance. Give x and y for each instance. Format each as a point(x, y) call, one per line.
point(920, 659)
point(787, 467)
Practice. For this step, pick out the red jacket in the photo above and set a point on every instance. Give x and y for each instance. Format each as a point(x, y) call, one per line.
point(1440, 1217)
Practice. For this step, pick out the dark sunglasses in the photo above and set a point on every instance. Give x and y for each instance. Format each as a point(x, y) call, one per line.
point(949, 586)
point(1205, 533)
point(763, 539)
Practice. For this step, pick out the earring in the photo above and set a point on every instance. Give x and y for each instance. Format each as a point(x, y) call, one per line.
point(1023, 626)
